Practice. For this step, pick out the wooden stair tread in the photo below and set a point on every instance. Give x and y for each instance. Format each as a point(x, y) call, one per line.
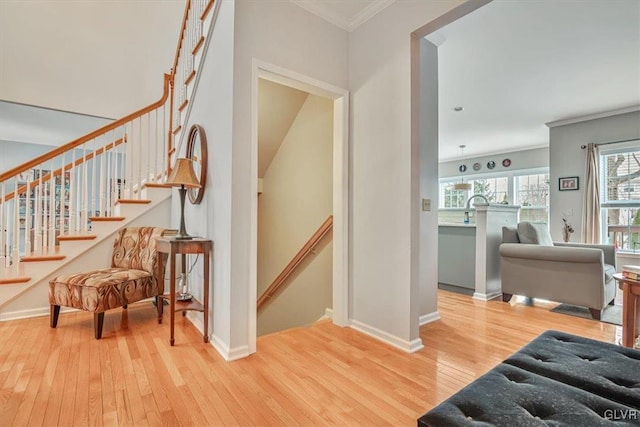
point(188, 80)
point(157, 185)
point(176, 130)
point(197, 47)
point(206, 10)
point(72, 237)
point(40, 258)
point(14, 280)
point(106, 218)
point(133, 201)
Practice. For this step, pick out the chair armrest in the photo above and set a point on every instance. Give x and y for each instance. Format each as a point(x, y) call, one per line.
point(551, 253)
point(608, 250)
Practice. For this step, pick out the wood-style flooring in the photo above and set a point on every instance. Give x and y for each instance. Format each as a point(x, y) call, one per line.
point(319, 375)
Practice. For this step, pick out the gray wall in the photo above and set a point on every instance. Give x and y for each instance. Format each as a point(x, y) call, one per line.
point(525, 159)
point(568, 159)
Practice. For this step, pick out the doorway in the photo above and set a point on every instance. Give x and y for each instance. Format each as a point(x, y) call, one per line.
point(339, 185)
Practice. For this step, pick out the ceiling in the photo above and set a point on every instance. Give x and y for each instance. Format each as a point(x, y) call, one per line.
point(34, 125)
point(515, 65)
point(346, 14)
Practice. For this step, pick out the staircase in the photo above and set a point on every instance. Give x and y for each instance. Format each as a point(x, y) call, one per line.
point(60, 211)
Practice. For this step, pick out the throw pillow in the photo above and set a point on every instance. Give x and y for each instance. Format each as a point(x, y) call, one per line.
point(535, 234)
point(510, 235)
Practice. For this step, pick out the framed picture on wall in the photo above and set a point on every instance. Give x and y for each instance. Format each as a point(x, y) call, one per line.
point(568, 183)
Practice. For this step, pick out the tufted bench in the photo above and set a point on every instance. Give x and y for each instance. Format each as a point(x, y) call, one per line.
point(556, 379)
point(131, 278)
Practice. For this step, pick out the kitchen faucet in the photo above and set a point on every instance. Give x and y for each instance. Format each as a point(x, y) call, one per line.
point(466, 212)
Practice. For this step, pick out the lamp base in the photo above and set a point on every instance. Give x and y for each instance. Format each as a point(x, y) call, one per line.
point(184, 297)
point(179, 237)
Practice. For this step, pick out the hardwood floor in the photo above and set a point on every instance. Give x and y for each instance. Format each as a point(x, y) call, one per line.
point(321, 375)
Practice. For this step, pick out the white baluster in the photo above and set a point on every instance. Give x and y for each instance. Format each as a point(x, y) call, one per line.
point(84, 185)
point(72, 194)
point(15, 259)
point(165, 146)
point(94, 181)
point(101, 184)
point(52, 208)
point(37, 212)
point(140, 155)
point(3, 229)
point(27, 218)
point(63, 184)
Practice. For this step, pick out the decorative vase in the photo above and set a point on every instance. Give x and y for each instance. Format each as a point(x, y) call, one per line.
point(565, 235)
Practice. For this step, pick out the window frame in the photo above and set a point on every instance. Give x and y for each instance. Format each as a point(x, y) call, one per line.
point(605, 204)
point(512, 185)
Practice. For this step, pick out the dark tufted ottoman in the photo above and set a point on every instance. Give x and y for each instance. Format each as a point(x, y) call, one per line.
point(557, 379)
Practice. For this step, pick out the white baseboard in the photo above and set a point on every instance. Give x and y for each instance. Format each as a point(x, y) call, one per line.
point(486, 297)
point(228, 354)
point(429, 317)
point(404, 345)
point(33, 312)
point(328, 314)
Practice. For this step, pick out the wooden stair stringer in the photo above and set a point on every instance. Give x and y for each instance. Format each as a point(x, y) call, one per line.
point(83, 255)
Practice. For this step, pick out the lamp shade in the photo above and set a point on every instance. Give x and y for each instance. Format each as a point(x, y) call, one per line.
point(182, 174)
point(462, 186)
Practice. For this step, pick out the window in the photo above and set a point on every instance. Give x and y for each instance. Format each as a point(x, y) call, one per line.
point(529, 189)
point(452, 198)
point(620, 197)
point(533, 197)
point(496, 189)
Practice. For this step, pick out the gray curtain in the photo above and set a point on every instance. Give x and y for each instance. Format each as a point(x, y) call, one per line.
point(591, 208)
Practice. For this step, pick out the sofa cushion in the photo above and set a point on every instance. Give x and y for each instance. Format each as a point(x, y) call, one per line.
point(536, 234)
point(510, 235)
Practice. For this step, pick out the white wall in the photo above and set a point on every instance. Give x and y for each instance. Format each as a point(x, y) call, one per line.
point(211, 108)
point(568, 159)
point(525, 159)
point(296, 199)
point(246, 30)
point(385, 189)
point(427, 263)
point(105, 58)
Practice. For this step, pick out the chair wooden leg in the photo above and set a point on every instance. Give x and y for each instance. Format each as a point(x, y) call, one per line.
point(159, 307)
point(53, 315)
point(98, 320)
point(595, 313)
point(506, 297)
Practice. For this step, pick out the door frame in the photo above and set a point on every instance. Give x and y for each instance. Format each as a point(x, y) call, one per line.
point(340, 263)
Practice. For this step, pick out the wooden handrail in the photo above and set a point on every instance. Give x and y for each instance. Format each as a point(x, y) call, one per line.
point(77, 142)
point(300, 256)
point(68, 166)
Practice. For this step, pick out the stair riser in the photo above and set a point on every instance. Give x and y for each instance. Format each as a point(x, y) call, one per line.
point(15, 300)
point(128, 210)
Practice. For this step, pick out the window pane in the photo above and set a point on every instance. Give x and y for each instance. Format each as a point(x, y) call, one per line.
point(622, 174)
point(620, 184)
point(453, 198)
point(623, 228)
point(533, 197)
point(494, 189)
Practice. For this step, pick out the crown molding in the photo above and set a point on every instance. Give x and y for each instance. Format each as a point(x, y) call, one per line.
point(602, 115)
point(328, 14)
point(368, 12)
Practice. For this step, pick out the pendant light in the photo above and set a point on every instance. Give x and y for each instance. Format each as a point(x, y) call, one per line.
point(466, 186)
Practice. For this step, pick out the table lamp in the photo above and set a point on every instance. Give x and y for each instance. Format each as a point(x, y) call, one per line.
point(182, 176)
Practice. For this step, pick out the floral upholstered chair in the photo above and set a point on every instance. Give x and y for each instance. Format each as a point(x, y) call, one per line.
point(131, 278)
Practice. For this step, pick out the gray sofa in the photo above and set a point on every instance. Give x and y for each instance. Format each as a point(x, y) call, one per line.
point(534, 266)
